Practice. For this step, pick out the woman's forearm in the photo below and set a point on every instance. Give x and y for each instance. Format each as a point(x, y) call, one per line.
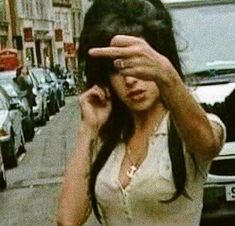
point(191, 121)
point(74, 203)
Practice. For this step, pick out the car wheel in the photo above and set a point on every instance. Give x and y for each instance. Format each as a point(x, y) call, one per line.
point(52, 106)
point(43, 120)
point(21, 149)
point(8, 154)
point(57, 106)
point(3, 179)
point(47, 114)
point(28, 129)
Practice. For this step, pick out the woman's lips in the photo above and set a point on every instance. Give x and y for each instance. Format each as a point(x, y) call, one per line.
point(136, 95)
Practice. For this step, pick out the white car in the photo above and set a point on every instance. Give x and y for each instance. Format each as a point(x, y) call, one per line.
point(45, 84)
point(11, 134)
point(59, 89)
point(205, 31)
point(40, 111)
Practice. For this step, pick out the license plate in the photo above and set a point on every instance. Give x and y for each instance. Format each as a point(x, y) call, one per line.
point(230, 192)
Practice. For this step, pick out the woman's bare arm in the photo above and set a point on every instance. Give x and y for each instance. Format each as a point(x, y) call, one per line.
point(134, 57)
point(74, 203)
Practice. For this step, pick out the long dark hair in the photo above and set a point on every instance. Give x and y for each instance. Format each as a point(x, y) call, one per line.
point(143, 18)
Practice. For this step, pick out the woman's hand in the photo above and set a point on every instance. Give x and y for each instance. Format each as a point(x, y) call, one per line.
point(133, 56)
point(95, 105)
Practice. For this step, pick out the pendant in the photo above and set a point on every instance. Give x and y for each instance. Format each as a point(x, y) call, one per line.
point(130, 173)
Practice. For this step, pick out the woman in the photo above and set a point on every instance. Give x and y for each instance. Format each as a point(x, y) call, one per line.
point(144, 144)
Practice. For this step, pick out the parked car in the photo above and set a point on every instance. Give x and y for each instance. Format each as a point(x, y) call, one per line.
point(46, 83)
point(204, 32)
point(59, 89)
point(12, 139)
point(216, 91)
point(69, 83)
point(3, 180)
point(14, 94)
point(40, 111)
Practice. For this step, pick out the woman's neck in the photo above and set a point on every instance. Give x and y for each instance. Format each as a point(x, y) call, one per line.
point(145, 121)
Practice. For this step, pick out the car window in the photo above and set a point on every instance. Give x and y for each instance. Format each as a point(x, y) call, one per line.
point(8, 88)
point(39, 75)
point(3, 103)
point(48, 77)
point(207, 37)
point(53, 76)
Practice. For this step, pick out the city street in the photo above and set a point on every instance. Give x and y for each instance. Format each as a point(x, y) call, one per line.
point(33, 187)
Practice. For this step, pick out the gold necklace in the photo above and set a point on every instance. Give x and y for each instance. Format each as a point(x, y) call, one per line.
point(135, 165)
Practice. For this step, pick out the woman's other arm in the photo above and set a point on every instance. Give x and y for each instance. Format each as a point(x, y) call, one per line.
point(74, 203)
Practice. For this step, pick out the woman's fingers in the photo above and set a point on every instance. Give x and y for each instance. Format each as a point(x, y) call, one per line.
point(125, 40)
point(111, 52)
point(133, 56)
point(126, 63)
point(96, 95)
point(121, 46)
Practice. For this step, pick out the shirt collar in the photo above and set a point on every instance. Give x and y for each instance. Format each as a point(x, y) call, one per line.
point(163, 127)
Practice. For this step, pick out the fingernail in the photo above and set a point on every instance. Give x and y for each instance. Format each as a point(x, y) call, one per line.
point(90, 51)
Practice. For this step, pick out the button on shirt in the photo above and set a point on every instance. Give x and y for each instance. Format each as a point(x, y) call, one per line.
point(140, 202)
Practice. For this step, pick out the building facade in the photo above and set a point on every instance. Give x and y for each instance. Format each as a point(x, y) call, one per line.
point(5, 31)
point(32, 31)
point(44, 33)
point(64, 45)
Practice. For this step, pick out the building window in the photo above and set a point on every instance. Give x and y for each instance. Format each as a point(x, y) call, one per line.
point(66, 22)
point(74, 24)
point(3, 42)
point(58, 35)
point(27, 8)
point(2, 11)
point(28, 34)
point(40, 9)
point(57, 20)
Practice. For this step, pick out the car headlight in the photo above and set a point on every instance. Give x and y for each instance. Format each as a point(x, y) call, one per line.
point(34, 91)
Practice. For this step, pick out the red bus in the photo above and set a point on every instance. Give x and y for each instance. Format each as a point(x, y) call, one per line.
point(8, 59)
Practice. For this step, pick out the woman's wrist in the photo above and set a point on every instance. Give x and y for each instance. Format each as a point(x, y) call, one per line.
point(88, 131)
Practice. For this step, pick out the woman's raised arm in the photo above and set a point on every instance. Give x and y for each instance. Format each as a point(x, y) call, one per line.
point(74, 203)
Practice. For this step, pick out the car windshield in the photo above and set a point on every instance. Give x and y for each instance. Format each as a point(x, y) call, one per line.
point(3, 104)
point(48, 77)
point(53, 76)
point(39, 75)
point(206, 39)
point(8, 87)
point(205, 32)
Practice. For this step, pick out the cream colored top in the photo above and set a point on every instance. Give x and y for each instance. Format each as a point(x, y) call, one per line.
point(140, 202)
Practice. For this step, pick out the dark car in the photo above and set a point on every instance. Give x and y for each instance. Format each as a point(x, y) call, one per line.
point(59, 89)
point(12, 90)
point(46, 83)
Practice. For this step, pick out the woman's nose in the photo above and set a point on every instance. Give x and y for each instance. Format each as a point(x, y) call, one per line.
point(130, 81)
